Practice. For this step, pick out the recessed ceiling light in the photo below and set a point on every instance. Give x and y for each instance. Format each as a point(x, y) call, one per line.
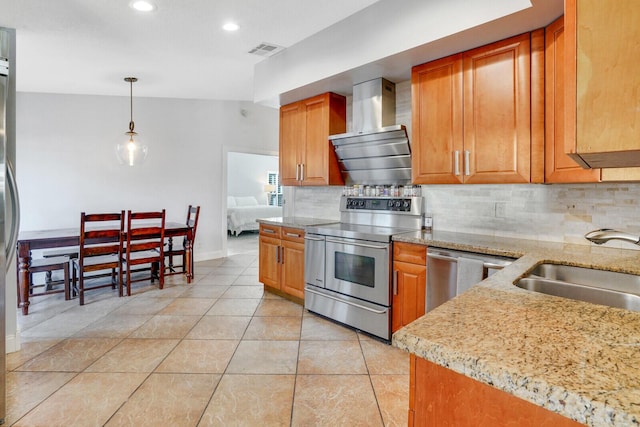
point(142, 6)
point(230, 26)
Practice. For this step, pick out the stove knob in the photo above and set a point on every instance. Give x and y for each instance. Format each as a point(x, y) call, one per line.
point(390, 203)
point(398, 204)
point(405, 204)
point(361, 203)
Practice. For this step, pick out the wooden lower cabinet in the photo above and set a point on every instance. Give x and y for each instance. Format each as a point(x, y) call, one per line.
point(440, 397)
point(281, 261)
point(292, 278)
point(409, 283)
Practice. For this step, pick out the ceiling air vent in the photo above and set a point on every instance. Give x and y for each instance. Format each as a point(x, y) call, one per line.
point(266, 49)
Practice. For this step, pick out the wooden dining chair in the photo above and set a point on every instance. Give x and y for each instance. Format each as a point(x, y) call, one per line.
point(144, 245)
point(178, 249)
point(48, 266)
point(99, 253)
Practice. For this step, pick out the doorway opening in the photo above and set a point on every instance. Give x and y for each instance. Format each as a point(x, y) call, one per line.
point(253, 191)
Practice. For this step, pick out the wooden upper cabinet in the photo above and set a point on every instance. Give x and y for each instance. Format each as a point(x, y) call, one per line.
point(559, 167)
point(306, 154)
point(602, 120)
point(602, 80)
point(497, 112)
point(436, 96)
point(478, 117)
point(291, 135)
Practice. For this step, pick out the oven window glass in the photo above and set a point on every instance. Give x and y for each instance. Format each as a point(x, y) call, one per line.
point(355, 269)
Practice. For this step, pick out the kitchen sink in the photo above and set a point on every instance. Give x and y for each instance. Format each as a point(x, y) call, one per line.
point(585, 284)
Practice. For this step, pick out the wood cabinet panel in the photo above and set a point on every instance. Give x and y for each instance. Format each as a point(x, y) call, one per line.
point(440, 397)
point(478, 117)
point(409, 294)
point(269, 261)
point(559, 167)
point(436, 96)
point(281, 260)
point(497, 111)
point(292, 133)
point(601, 113)
point(410, 252)
point(306, 155)
point(292, 279)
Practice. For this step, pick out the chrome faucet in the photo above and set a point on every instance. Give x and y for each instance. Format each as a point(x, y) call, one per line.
point(605, 234)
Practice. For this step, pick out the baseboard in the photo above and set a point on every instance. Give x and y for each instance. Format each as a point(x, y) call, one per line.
point(12, 343)
point(206, 256)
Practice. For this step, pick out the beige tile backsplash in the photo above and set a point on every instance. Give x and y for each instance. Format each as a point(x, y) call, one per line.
point(558, 212)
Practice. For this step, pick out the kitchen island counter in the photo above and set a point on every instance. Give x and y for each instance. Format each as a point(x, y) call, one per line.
point(577, 359)
point(295, 221)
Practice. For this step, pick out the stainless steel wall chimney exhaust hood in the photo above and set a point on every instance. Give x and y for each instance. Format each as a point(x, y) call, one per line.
point(377, 151)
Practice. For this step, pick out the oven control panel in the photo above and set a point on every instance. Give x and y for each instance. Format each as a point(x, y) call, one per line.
point(379, 204)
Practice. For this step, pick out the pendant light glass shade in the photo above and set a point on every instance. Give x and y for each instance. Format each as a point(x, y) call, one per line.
point(130, 150)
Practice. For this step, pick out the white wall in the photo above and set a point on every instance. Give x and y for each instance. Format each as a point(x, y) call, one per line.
point(66, 158)
point(247, 174)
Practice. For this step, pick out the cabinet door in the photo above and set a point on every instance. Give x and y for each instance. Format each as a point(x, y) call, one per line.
point(409, 293)
point(559, 167)
point(497, 112)
point(602, 79)
point(441, 397)
point(292, 279)
point(269, 261)
point(436, 94)
point(324, 115)
point(291, 137)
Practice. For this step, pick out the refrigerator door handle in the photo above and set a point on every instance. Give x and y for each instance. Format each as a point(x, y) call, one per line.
point(14, 204)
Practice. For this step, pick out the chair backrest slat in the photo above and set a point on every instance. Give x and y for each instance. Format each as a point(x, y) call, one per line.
point(143, 235)
point(100, 234)
point(193, 213)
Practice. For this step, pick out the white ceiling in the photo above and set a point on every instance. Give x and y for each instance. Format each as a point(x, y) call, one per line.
point(177, 51)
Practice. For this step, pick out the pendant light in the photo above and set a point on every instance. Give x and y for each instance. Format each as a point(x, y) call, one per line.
point(131, 152)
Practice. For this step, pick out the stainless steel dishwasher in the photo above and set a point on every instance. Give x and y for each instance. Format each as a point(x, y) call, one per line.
point(450, 273)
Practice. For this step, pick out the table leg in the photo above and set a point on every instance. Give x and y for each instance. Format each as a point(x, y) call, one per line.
point(23, 260)
point(188, 257)
point(170, 248)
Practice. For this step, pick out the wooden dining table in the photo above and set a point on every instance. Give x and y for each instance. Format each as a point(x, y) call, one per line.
point(64, 237)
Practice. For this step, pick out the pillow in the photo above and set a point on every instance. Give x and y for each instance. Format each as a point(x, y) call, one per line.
point(246, 201)
point(231, 201)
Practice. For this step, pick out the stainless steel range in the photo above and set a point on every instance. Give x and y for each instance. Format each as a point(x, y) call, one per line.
point(348, 265)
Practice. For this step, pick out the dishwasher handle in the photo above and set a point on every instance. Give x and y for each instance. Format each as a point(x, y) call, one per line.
point(486, 264)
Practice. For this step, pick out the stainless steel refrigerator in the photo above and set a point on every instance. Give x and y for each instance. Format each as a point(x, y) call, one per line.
point(9, 213)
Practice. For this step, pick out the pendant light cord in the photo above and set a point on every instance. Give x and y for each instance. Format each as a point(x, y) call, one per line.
point(131, 124)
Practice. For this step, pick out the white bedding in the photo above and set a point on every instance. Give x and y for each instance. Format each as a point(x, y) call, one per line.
point(243, 218)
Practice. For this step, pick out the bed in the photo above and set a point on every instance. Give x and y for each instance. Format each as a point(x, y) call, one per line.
point(242, 213)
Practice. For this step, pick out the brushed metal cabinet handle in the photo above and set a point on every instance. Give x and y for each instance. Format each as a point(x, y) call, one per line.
point(466, 162)
point(302, 172)
point(456, 162)
point(395, 282)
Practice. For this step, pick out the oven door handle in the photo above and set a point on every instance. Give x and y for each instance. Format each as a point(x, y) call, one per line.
point(363, 245)
point(315, 239)
point(346, 302)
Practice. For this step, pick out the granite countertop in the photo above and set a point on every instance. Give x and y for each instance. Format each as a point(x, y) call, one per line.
point(296, 221)
point(578, 359)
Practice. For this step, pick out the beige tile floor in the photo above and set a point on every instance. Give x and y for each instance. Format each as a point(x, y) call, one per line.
point(219, 351)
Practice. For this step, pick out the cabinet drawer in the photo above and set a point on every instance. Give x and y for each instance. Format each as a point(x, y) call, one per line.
point(409, 252)
point(270, 230)
point(292, 234)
